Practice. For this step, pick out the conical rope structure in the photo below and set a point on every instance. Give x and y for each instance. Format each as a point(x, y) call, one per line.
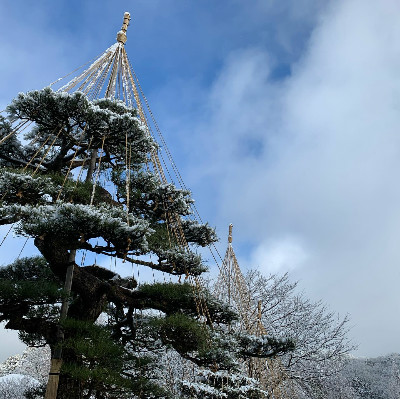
point(111, 76)
point(231, 286)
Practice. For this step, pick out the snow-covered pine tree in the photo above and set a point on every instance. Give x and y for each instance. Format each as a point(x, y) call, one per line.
point(130, 217)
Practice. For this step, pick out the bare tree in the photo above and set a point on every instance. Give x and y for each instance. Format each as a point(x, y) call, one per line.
point(320, 336)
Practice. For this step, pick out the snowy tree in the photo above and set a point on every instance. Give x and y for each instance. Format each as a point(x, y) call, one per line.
point(375, 378)
point(24, 374)
point(32, 362)
point(15, 386)
point(186, 379)
point(320, 337)
point(131, 217)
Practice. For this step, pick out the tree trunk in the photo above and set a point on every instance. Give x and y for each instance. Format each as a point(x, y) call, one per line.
point(92, 165)
point(69, 387)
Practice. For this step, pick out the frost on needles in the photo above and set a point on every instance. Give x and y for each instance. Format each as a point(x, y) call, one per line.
point(50, 191)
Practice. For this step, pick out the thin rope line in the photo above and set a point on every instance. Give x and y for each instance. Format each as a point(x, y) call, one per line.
point(97, 173)
point(7, 191)
point(56, 81)
point(70, 165)
point(71, 84)
point(83, 163)
point(12, 132)
point(102, 78)
point(48, 150)
point(173, 164)
point(111, 83)
point(36, 153)
point(99, 74)
point(8, 232)
point(20, 252)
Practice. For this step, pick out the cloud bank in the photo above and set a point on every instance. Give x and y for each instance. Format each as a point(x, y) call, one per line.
point(307, 167)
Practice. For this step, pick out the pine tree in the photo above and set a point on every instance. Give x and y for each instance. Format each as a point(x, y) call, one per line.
point(130, 216)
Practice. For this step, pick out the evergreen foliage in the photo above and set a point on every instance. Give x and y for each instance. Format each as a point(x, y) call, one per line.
point(42, 195)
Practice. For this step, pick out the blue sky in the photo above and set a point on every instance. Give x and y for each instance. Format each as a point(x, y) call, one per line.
point(282, 117)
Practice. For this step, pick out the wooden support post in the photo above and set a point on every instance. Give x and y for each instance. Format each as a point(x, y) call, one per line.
point(56, 360)
point(121, 35)
point(54, 378)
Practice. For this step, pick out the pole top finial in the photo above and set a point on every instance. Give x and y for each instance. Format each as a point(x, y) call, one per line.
point(230, 233)
point(121, 35)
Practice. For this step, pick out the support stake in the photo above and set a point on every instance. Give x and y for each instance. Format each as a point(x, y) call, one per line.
point(56, 360)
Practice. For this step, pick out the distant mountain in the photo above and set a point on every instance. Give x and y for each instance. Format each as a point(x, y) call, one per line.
point(374, 378)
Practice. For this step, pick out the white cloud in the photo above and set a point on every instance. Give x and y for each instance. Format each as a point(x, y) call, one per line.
point(278, 256)
point(317, 157)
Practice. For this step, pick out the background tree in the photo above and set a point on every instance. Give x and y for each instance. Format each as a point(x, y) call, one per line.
point(31, 369)
point(375, 378)
point(320, 337)
point(131, 216)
